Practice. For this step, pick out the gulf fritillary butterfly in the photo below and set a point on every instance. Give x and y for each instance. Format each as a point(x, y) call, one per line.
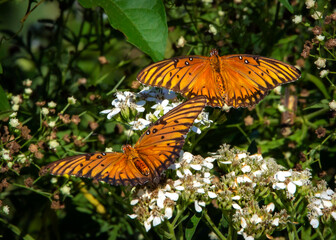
point(153, 153)
point(239, 80)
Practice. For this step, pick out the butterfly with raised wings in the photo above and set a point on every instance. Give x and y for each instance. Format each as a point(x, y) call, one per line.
point(239, 80)
point(153, 153)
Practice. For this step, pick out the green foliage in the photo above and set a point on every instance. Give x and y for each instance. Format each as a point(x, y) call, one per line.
point(54, 50)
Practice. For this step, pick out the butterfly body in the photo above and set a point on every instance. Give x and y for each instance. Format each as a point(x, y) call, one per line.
point(239, 80)
point(154, 152)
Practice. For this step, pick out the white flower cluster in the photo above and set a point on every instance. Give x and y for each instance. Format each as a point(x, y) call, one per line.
point(193, 184)
point(162, 105)
point(321, 205)
point(124, 101)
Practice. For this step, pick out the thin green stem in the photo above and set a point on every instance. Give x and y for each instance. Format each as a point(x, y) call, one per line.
point(213, 226)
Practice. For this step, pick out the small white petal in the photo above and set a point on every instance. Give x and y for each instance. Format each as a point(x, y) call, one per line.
point(156, 221)
point(209, 159)
point(249, 238)
point(187, 172)
point(212, 195)
point(291, 187)
point(201, 203)
point(134, 201)
point(207, 175)
point(200, 190)
point(197, 207)
point(188, 157)
point(298, 183)
point(236, 197)
point(314, 222)
point(197, 167)
point(246, 169)
point(160, 200)
point(282, 175)
point(179, 174)
point(168, 212)
point(147, 226)
point(255, 219)
point(207, 180)
point(177, 182)
point(275, 222)
point(243, 223)
point(330, 192)
point(327, 204)
point(225, 162)
point(179, 188)
point(278, 186)
point(333, 214)
point(241, 156)
point(236, 206)
point(196, 130)
point(132, 216)
point(270, 207)
point(197, 184)
point(172, 196)
point(208, 165)
point(325, 196)
point(257, 173)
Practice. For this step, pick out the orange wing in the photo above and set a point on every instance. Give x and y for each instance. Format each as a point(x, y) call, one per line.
point(237, 80)
point(156, 149)
point(248, 78)
point(161, 144)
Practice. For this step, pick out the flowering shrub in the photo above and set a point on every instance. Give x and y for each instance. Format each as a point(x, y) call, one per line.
point(69, 87)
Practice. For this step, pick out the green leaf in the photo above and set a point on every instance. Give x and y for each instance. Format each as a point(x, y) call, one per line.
point(319, 84)
point(191, 225)
point(5, 109)
point(287, 5)
point(143, 22)
point(1, 70)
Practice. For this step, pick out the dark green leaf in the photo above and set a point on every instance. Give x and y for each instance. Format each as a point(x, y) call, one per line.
point(287, 5)
point(319, 84)
point(143, 22)
point(5, 109)
point(191, 225)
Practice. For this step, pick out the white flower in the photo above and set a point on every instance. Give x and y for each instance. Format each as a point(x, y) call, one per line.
point(314, 222)
point(161, 107)
point(16, 99)
point(14, 122)
point(5, 209)
point(156, 221)
point(52, 104)
point(237, 197)
point(65, 190)
point(282, 175)
point(255, 219)
point(320, 63)
point(187, 156)
point(15, 107)
point(181, 42)
point(277, 90)
point(281, 108)
point(45, 111)
point(332, 105)
point(317, 15)
point(221, 13)
point(324, 73)
point(212, 29)
point(108, 149)
point(140, 124)
point(297, 19)
point(134, 201)
point(243, 223)
point(197, 167)
point(333, 214)
point(53, 180)
point(147, 224)
point(27, 82)
point(5, 154)
point(28, 91)
point(53, 144)
point(71, 100)
point(13, 115)
point(275, 222)
point(160, 199)
point(52, 124)
point(246, 168)
point(310, 3)
point(320, 38)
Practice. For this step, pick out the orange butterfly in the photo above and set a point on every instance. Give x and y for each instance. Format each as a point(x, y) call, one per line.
point(239, 80)
point(154, 152)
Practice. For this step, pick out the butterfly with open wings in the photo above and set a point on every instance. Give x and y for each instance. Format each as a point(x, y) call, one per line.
point(239, 80)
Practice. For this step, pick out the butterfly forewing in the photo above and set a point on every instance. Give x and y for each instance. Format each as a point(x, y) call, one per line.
point(161, 144)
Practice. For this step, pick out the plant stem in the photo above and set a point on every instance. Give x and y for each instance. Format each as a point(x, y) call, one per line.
point(213, 226)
